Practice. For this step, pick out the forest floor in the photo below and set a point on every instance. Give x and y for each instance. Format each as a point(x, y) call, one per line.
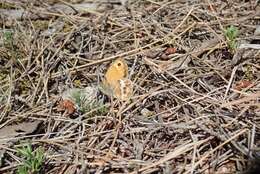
point(194, 66)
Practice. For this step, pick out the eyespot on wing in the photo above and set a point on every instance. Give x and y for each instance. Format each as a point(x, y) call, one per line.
point(116, 71)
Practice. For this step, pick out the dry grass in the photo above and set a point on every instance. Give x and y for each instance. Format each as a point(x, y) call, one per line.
point(199, 122)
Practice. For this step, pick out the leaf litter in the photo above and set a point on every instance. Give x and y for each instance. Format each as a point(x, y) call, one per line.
point(190, 112)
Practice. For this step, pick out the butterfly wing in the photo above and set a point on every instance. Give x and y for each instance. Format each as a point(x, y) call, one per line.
point(124, 90)
point(117, 70)
point(116, 81)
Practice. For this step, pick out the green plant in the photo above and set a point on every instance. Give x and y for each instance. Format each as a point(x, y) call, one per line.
point(11, 45)
point(8, 38)
point(85, 101)
point(86, 106)
point(102, 110)
point(32, 160)
point(231, 34)
point(95, 108)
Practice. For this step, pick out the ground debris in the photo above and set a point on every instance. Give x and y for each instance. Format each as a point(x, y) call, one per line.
point(194, 103)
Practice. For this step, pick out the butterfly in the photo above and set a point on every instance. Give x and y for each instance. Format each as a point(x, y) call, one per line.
point(116, 82)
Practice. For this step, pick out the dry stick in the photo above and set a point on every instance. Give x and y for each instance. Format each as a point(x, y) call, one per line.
point(42, 91)
point(257, 105)
point(69, 5)
point(49, 70)
point(25, 74)
point(116, 133)
point(71, 149)
point(81, 67)
point(134, 51)
point(212, 132)
point(123, 109)
point(195, 149)
point(116, 130)
point(45, 90)
point(178, 151)
point(244, 99)
point(25, 70)
point(230, 81)
point(162, 6)
point(8, 102)
point(44, 11)
point(176, 78)
point(153, 2)
point(211, 29)
point(215, 149)
point(142, 97)
point(219, 160)
point(251, 141)
point(243, 110)
point(62, 45)
point(231, 20)
point(146, 30)
point(196, 53)
point(8, 167)
point(93, 138)
point(186, 102)
point(136, 45)
point(77, 8)
point(237, 145)
point(145, 47)
point(215, 15)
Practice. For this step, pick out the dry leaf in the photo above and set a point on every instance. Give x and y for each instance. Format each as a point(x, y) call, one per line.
point(170, 50)
point(8, 133)
point(242, 84)
point(175, 65)
point(67, 105)
point(19, 129)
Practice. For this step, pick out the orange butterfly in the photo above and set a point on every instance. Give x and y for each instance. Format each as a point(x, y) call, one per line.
point(116, 82)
